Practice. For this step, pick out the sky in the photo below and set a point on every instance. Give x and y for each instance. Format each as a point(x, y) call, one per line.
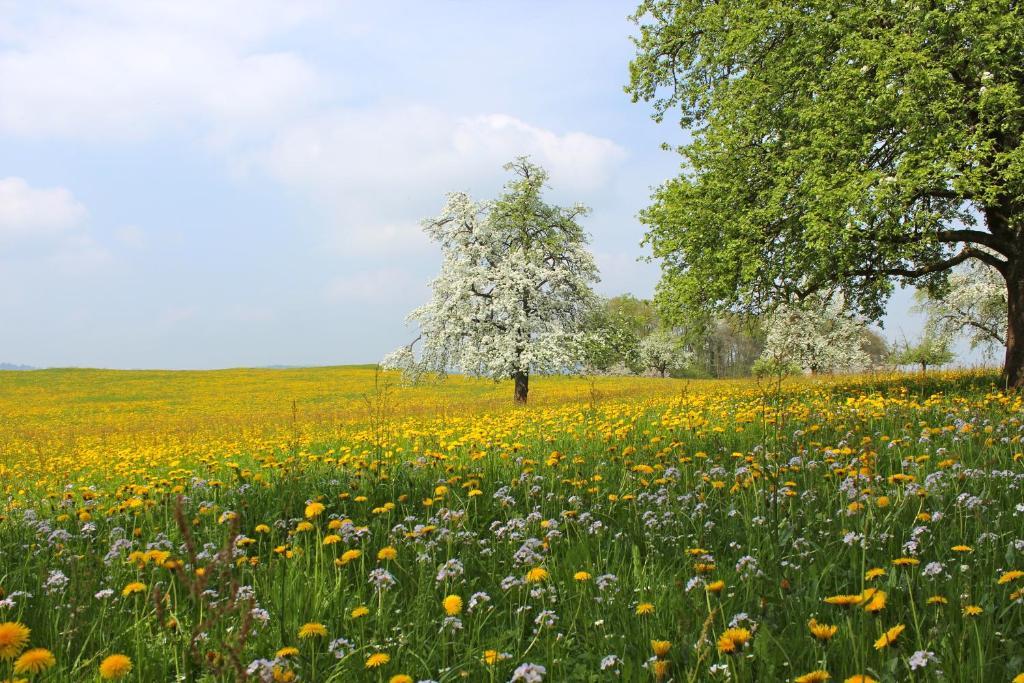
point(194, 184)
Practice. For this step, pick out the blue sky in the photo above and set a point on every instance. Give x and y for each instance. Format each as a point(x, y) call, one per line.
point(187, 184)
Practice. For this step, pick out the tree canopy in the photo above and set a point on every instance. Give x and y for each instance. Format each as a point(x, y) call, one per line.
point(847, 145)
point(514, 288)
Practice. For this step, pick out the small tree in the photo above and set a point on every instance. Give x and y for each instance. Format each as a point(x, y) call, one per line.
point(663, 352)
point(973, 304)
point(931, 350)
point(514, 287)
point(614, 330)
point(817, 334)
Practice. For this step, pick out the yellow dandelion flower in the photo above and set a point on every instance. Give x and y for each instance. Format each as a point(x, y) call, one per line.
point(350, 555)
point(660, 669)
point(387, 553)
point(314, 509)
point(115, 666)
point(452, 605)
point(13, 639)
point(906, 562)
point(34, 661)
point(818, 676)
point(860, 678)
point(286, 652)
point(889, 637)
point(401, 678)
point(303, 526)
point(876, 602)
point(962, 549)
point(843, 600)
point(377, 659)
point(874, 573)
point(660, 647)
point(821, 631)
point(972, 611)
point(133, 587)
point(732, 639)
point(536, 575)
point(582, 576)
point(312, 630)
point(360, 611)
point(1009, 576)
point(1019, 678)
point(715, 586)
point(491, 657)
point(644, 608)
point(262, 529)
point(331, 539)
point(937, 600)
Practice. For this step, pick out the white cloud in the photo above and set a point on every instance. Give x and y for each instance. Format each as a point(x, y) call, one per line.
point(379, 171)
point(45, 228)
point(118, 68)
point(27, 212)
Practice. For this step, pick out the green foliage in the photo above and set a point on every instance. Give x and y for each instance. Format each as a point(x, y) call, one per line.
point(846, 143)
point(931, 350)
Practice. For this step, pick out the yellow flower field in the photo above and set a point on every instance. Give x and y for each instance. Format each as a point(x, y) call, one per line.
point(331, 525)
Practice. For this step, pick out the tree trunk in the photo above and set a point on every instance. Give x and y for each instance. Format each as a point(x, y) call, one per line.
point(924, 368)
point(1013, 367)
point(522, 380)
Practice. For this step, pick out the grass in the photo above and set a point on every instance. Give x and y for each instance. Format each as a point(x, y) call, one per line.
point(574, 532)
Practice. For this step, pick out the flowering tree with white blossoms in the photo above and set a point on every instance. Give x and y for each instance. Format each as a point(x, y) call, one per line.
point(514, 287)
point(973, 304)
point(663, 352)
point(817, 334)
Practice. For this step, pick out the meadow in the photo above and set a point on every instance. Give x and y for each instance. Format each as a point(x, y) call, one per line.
point(330, 524)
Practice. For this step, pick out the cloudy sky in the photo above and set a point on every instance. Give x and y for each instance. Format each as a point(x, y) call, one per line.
point(194, 184)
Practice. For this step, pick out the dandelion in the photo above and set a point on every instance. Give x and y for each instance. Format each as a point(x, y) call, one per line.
point(349, 555)
point(821, 631)
point(874, 573)
point(732, 639)
point(401, 678)
point(452, 605)
point(644, 608)
point(844, 600)
point(715, 586)
point(115, 666)
point(377, 659)
point(818, 676)
point(660, 648)
point(860, 678)
point(1009, 576)
point(360, 611)
point(13, 639)
point(386, 554)
point(972, 610)
point(34, 661)
point(312, 630)
point(581, 576)
point(537, 574)
point(133, 587)
point(889, 637)
point(286, 652)
point(937, 600)
point(876, 603)
point(314, 510)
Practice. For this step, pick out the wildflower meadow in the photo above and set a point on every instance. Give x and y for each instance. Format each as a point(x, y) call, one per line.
point(194, 528)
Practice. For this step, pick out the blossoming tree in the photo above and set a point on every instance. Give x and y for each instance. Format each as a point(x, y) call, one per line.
point(974, 304)
point(817, 334)
point(514, 286)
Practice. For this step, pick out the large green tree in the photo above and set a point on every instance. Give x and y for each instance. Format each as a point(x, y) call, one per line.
point(847, 144)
